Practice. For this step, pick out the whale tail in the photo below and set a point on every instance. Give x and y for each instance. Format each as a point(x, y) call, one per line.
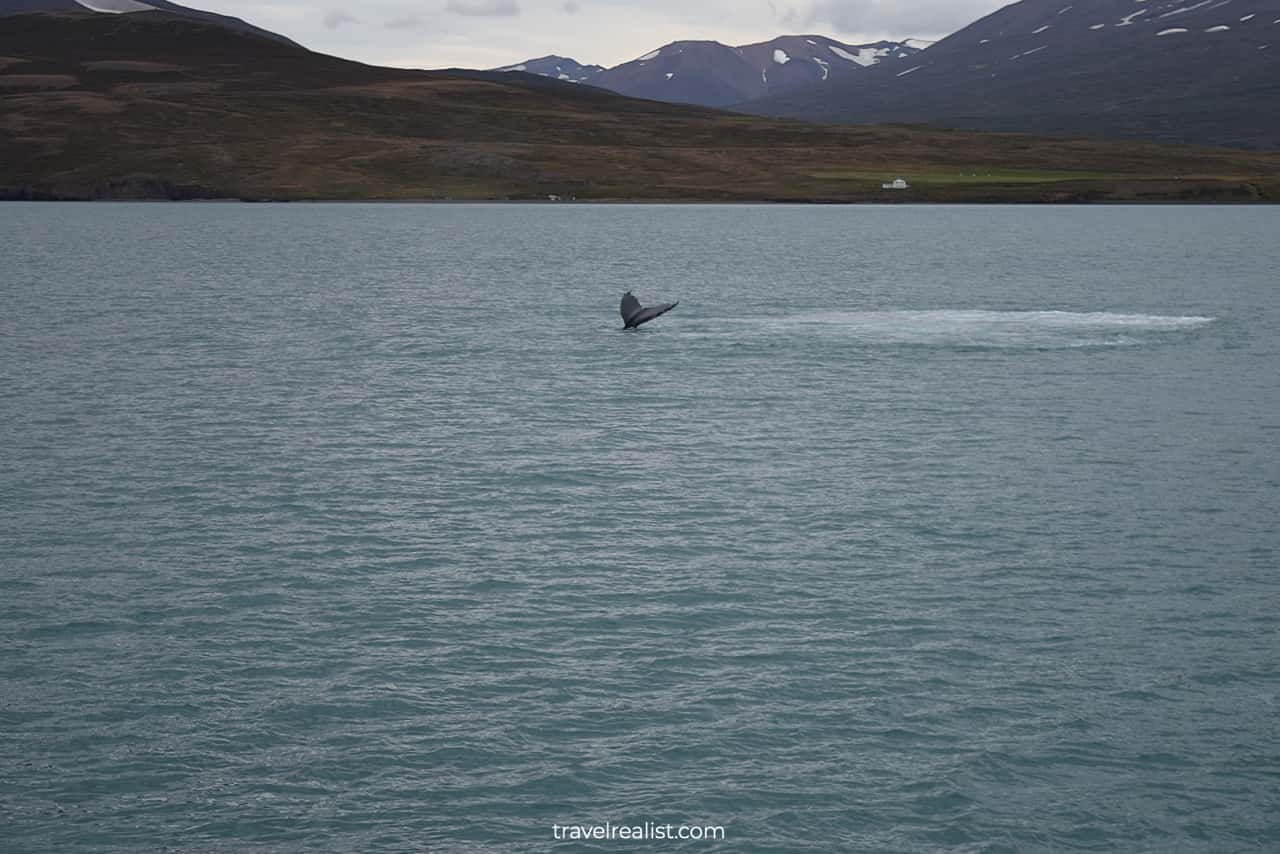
point(634, 314)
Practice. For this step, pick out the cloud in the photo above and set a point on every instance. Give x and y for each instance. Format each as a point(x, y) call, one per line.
point(888, 16)
point(495, 33)
point(333, 20)
point(408, 22)
point(785, 15)
point(484, 8)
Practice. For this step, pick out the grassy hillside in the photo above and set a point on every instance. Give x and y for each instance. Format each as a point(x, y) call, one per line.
point(148, 105)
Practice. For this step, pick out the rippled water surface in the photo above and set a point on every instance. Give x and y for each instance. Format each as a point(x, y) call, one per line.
point(363, 528)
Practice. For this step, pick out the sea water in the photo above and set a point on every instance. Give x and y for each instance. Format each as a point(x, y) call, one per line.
point(348, 528)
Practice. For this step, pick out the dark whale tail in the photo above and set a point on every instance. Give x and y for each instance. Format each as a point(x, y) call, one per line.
point(634, 314)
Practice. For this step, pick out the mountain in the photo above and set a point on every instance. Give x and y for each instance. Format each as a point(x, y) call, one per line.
point(558, 68)
point(1180, 71)
point(124, 7)
point(157, 105)
point(716, 75)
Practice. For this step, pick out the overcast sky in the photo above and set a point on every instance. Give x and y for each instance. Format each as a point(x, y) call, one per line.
point(492, 33)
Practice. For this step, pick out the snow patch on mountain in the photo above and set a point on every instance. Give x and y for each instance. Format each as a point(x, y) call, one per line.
point(1185, 9)
point(115, 7)
point(864, 57)
point(556, 68)
point(1029, 52)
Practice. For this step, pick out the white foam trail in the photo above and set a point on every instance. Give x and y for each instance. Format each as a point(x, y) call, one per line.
point(987, 328)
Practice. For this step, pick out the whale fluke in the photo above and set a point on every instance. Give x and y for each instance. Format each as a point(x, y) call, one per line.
point(634, 314)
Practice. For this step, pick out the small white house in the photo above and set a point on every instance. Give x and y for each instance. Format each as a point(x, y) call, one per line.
point(898, 184)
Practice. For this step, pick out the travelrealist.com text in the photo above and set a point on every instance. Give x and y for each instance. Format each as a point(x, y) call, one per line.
point(646, 831)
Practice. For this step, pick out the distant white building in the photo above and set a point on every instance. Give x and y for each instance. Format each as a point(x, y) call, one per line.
point(898, 184)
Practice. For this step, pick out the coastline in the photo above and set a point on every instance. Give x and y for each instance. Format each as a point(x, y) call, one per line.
point(987, 202)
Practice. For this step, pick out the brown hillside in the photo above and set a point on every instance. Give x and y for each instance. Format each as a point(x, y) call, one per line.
point(151, 105)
